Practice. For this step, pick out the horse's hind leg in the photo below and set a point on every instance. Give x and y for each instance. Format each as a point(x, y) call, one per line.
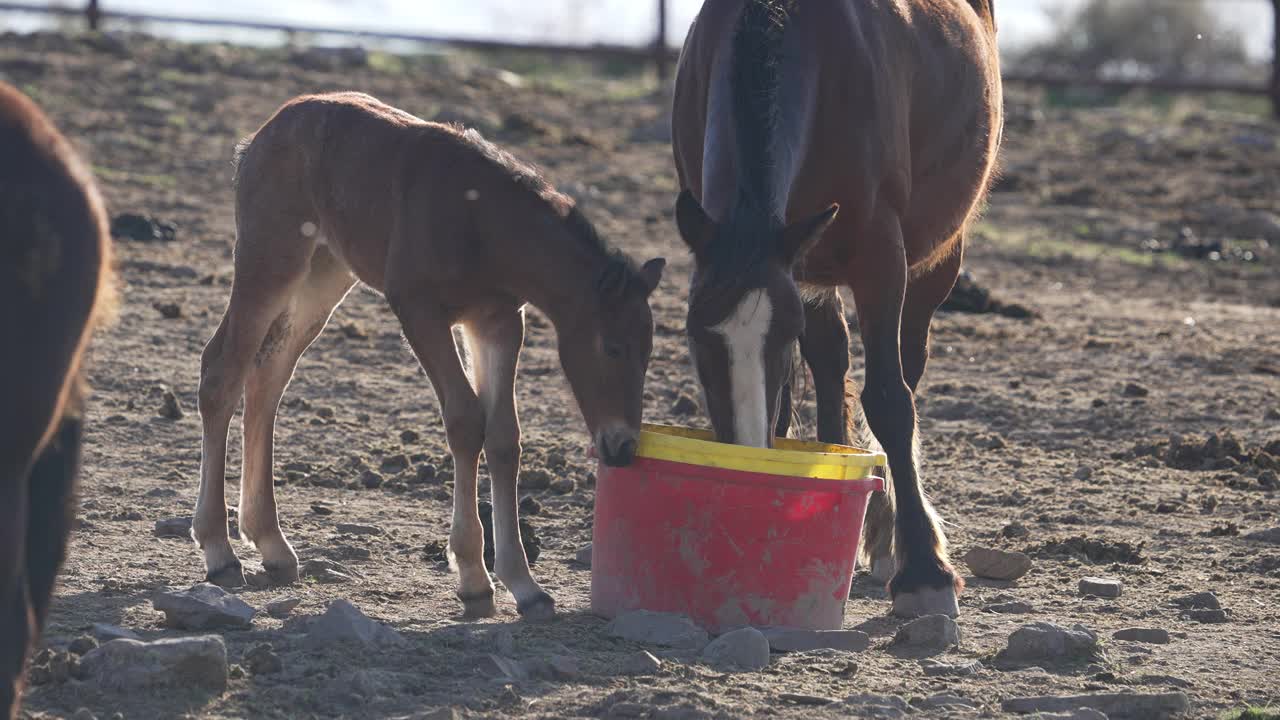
point(16, 620)
point(52, 512)
point(925, 583)
point(825, 347)
point(291, 333)
point(495, 340)
point(427, 327)
point(270, 262)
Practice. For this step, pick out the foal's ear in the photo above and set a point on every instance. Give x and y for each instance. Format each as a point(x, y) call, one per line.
point(696, 227)
point(800, 237)
point(652, 274)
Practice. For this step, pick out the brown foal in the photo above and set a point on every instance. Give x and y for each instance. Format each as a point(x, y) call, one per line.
point(54, 282)
point(453, 231)
point(787, 111)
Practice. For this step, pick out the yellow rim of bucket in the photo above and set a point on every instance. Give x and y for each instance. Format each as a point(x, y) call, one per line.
point(793, 458)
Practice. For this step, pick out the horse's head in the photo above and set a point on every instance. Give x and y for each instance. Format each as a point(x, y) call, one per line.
point(745, 313)
point(605, 354)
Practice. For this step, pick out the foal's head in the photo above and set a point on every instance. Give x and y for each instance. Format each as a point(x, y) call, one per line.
point(605, 355)
point(745, 311)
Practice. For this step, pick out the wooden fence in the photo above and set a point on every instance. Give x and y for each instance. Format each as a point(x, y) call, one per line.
point(656, 52)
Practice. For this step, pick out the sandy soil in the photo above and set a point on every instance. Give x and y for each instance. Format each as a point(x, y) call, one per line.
point(1051, 424)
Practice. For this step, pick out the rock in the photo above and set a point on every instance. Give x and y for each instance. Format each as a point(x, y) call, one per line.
point(802, 640)
point(168, 311)
point(746, 648)
point(321, 509)
point(877, 706)
point(1205, 600)
point(1077, 714)
point(655, 628)
point(142, 228)
point(997, 564)
point(1101, 587)
point(107, 633)
point(1114, 705)
point(1270, 535)
point(1043, 642)
point(408, 437)
point(937, 668)
point(529, 505)
point(535, 479)
point(83, 714)
point(173, 528)
point(371, 480)
point(563, 485)
point(1013, 607)
point(180, 663)
point(583, 556)
point(1083, 473)
point(344, 623)
point(1134, 390)
point(684, 406)
point(1213, 617)
point(170, 408)
point(357, 529)
point(326, 572)
point(930, 634)
point(804, 699)
point(426, 473)
point(639, 663)
point(82, 645)
point(1154, 636)
point(204, 607)
point(564, 667)
point(944, 701)
point(282, 607)
point(393, 464)
point(54, 666)
point(262, 660)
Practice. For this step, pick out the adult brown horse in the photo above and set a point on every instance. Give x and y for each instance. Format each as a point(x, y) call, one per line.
point(54, 280)
point(786, 112)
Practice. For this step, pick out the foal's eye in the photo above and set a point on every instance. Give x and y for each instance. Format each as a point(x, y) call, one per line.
point(613, 350)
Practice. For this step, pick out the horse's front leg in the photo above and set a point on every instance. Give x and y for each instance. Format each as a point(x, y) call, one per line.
point(430, 334)
point(496, 339)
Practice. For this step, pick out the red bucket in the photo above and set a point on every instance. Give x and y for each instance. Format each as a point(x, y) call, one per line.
point(730, 535)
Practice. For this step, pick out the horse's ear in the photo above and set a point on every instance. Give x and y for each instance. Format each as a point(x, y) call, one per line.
point(652, 274)
point(696, 227)
point(800, 237)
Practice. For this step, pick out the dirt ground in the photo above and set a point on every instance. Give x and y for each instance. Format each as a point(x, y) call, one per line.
point(1136, 233)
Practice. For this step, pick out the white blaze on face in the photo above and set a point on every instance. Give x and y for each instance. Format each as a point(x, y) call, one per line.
point(744, 334)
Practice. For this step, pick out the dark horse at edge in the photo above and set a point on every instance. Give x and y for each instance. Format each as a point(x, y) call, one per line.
point(54, 282)
point(829, 144)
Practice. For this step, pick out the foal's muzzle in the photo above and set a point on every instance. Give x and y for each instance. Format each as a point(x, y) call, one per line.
point(617, 448)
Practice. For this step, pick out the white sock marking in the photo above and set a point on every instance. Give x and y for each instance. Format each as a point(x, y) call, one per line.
point(744, 333)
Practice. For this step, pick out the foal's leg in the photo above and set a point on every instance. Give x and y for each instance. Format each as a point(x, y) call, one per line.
point(427, 327)
point(292, 332)
point(925, 582)
point(267, 274)
point(495, 341)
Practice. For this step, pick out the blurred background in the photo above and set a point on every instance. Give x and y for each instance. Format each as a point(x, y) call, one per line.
point(1169, 43)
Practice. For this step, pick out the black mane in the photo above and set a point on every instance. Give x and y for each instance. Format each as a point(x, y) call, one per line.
point(748, 235)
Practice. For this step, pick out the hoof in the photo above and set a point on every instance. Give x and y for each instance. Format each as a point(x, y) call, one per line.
point(227, 576)
point(927, 601)
point(282, 574)
point(539, 608)
point(478, 605)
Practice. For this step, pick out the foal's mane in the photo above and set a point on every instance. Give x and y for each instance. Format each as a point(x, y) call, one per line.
point(619, 274)
point(750, 233)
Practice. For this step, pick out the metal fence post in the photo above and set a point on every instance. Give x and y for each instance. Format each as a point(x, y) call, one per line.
point(1275, 58)
point(93, 14)
point(660, 43)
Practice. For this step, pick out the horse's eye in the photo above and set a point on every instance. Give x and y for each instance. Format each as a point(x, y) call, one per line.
point(613, 350)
